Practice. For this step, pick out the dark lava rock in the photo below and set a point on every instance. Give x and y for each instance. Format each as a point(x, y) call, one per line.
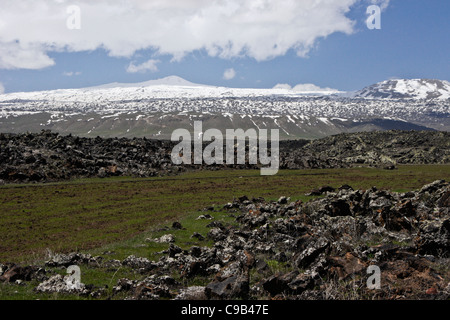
point(13, 272)
point(233, 287)
point(48, 156)
point(177, 226)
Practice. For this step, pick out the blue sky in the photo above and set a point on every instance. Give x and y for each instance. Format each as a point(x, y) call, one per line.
point(413, 42)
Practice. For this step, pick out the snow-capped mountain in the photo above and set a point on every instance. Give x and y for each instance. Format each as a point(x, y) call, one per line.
point(167, 81)
point(427, 89)
point(155, 108)
point(171, 87)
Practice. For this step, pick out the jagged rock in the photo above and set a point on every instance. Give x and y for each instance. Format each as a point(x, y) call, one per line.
point(282, 200)
point(60, 284)
point(167, 238)
point(261, 265)
point(345, 187)
point(173, 250)
point(339, 207)
point(148, 290)
point(431, 187)
point(191, 293)
point(279, 283)
point(138, 263)
point(307, 256)
point(177, 225)
point(198, 236)
point(291, 283)
point(347, 265)
point(216, 234)
point(434, 238)
point(444, 201)
point(253, 219)
point(196, 268)
point(205, 217)
point(151, 288)
point(195, 251)
point(12, 273)
point(215, 224)
point(233, 287)
point(314, 192)
point(281, 257)
point(74, 258)
point(112, 264)
point(124, 285)
point(300, 283)
point(325, 189)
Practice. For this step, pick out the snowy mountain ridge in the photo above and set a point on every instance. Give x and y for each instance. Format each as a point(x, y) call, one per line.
point(426, 89)
point(155, 108)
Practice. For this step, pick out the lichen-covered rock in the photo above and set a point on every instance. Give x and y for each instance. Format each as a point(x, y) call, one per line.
point(191, 293)
point(60, 284)
point(167, 238)
point(138, 263)
point(233, 287)
point(74, 258)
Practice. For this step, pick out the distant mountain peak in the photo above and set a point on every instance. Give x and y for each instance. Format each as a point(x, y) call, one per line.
point(166, 81)
point(428, 89)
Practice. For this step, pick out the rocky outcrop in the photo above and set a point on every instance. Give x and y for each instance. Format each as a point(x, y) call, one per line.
point(380, 148)
point(321, 249)
point(47, 156)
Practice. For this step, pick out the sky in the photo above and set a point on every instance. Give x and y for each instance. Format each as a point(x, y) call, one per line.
point(56, 44)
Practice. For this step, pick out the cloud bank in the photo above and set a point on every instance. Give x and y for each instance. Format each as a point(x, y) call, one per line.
point(150, 65)
point(259, 29)
point(304, 87)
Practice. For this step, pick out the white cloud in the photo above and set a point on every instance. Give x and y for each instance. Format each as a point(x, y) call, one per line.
point(383, 4)
point(229, 74)
point(284, 86)
point(30, 30)
point(303, 87)
point(15, 55)
point(2, 88)
point(149, 65)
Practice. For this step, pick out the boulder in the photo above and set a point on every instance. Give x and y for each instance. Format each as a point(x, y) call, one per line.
point(233, 287)
point(191, 293)
point(309, 255)
point(60, 284)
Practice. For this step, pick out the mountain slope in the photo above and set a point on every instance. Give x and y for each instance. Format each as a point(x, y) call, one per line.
point(157, 107)
point(167, 81)
point(428, 89)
